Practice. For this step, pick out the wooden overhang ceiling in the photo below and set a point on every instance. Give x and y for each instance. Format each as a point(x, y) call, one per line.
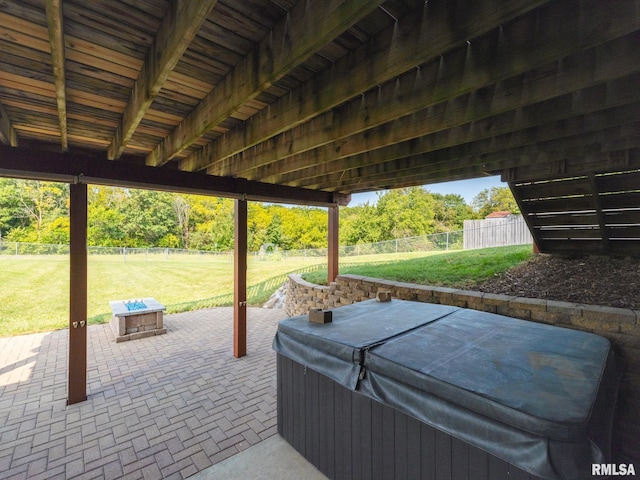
point(309, 101)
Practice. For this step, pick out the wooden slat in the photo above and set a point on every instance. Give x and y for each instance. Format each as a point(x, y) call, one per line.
point(8, 134)
point(624, 247)
point(418, 91)
point(388, 442)
point(460, 468)
point(479, 463)
point(560, 205)
point(563, 218)
point(572, 247)
point(377, 438)
point(622, 217)
point(600, 162)
point(421, 169)
point(495, 133)
point(554, 189)
point(627, 232)
point(273, 58)
point(414, 40)
point(413, 458)
point(444, 458)
point(178, 28)
point(401, 440)
point(56, 39)
point(570, 233)
point(627, 200)
point(622, 182)
point(498, 468)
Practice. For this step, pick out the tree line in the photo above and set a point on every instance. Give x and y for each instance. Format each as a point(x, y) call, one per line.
point(38, 212)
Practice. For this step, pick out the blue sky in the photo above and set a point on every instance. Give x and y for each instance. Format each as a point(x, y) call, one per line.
point(468, 189)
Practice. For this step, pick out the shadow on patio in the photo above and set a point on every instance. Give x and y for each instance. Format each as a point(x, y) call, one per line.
point(168, 406)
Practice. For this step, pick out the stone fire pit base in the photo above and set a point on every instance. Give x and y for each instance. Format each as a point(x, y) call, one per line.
point(146, 320)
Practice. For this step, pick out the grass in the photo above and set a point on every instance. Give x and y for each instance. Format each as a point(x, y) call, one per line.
point(35, 289)
point(460, 269)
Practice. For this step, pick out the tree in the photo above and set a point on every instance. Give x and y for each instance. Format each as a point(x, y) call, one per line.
point(10, 214)
point(150, 220)
point(359, 224)
point(495, 200)
point(33, 204)
point(106, 217)
point(406, 212)
point(450, 212)
point(182, 208)
point(212, 220)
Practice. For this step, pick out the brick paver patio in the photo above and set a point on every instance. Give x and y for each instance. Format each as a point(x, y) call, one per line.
point(161, 407)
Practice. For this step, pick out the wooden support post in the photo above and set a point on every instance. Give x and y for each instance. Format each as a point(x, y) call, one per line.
point(240, 281)
point(78, 294)
point(333, 243)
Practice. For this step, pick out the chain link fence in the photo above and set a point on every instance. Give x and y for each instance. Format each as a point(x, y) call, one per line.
point(425, 243)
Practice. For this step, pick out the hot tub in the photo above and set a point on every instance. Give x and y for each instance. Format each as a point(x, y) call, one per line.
point(417, 390)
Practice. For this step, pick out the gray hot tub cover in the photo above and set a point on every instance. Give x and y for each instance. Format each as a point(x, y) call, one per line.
point(538, 396)
point(336, 349)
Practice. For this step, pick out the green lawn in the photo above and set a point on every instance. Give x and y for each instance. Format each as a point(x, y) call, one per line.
point(35, 289)
point(460, 269)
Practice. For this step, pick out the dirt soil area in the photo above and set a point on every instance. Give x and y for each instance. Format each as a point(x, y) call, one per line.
point(592, 280)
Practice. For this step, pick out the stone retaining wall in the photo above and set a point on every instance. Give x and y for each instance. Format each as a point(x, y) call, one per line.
point(621, 326)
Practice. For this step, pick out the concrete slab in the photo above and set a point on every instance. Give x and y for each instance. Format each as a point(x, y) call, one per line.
point(270, 459)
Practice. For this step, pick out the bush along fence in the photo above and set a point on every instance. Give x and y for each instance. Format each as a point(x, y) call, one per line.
point(620, 325)
point(455, 240)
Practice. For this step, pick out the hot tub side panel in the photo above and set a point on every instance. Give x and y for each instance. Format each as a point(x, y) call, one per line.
point(347, 435)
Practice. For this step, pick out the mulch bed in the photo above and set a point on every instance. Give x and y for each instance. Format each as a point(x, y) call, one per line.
point(591, 280)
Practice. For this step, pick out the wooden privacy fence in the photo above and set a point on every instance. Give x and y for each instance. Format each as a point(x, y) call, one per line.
point(496, 232)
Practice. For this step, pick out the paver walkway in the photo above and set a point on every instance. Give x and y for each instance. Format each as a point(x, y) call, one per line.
point(161, 407)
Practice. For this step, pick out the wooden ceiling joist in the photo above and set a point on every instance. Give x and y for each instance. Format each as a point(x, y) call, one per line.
point(294, 39)
point(432, 129)
point(179, 27)
point(7, 132)
point(55, 21)
point(474, 68)
point(412, 41)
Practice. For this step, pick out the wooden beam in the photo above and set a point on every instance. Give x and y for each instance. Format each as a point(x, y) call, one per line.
point(417, 38)
point(531, 167)
point(430, 128)
point(240, 280)
point(491, 154)
point(8, 134)
point(56, 39)
point(472, 68)
point(77, 385)
point(179, 27)
point(404, 156)
point(333, 243)
point(65, 167)
point(598, 162)
point(274, 57)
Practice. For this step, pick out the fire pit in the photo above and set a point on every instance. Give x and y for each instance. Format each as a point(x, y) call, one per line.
point(137, 318)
